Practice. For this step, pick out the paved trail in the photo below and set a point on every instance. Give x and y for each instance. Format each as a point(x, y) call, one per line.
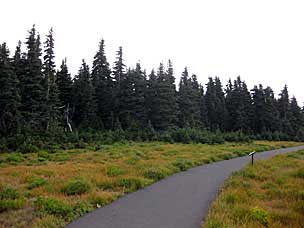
point(179, 201)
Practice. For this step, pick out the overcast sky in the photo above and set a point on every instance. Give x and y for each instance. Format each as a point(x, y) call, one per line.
point(261, 40)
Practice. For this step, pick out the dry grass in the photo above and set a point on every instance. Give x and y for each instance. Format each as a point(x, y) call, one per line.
point(269, 194)
point(108, 173)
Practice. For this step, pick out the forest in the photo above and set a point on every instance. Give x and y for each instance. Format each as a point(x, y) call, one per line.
point(42, 105)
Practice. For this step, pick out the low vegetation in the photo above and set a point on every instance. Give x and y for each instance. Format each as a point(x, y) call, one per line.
point(269, 194)
point(51, 188)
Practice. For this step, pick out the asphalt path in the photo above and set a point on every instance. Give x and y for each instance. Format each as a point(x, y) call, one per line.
point(179, 201)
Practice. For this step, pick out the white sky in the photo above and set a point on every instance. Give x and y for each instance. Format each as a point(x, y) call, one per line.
point(261, 40)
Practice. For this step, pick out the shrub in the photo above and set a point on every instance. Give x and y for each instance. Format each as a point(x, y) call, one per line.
point(82, 208)
point(34, 182)
point(11, 204)
point(9, 193)
point(183, 164)
point(259, 215)
point(28, 148)
point(76, 187)
point(43, 155)
point(113, 171)
point(131, 184)
point(54, 207)
point(15, 158)
point(300, 173)
point(155, 174)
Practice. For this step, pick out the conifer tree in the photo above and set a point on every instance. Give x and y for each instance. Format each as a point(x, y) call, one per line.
point(119, 77)
point(33, 94)
point(65, 84)
point(284, 111)
point(166, 102)
point(189, 101)
point(239, 107)
point(84, 115)
point(203, 109)
point(152, 99)
point(215, 104)
point(103, 87)
point(9, 96)
point(50, 85)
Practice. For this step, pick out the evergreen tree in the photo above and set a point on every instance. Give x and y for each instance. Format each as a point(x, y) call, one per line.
point(103, 87)
point(296, 117)
point(65, 84)
point(166, 102)
point(84, 115)
point(215, 104)
point(119, 77)
point(9, 96)
point(284, 111)
point(239, 106)
point(33, 94)
point(152, 99)
point(259, 105)
point(189, 101)
point(271, 113)
point(50, 85)
point(203, 109)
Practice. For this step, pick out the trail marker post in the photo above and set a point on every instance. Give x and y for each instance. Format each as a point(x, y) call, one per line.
point(252, 154)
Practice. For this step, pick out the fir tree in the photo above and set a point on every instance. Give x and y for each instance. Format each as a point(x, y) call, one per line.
point(9, 96)
point(33, 94)
point(103, 87)
point(50, 85)
point(119, 77)
point(84, 115)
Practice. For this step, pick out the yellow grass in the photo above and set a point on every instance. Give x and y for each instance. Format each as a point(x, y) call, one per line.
point(111, 171)
point(269, 194)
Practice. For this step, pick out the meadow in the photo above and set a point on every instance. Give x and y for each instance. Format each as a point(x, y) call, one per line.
point(52, 188)
point(268, 194)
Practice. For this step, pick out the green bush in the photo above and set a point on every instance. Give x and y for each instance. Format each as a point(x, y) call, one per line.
point(14, 158)
point(82, 208)
point(113, 171)
point(53, 207)
point(259, 215)
point(183, 164)
point(155, 174)
point(34, 182)
point(28, 148)
point(300, 173)
point(9, 193)
point(131, 184)
point(76, 187)
point(11, 204)
point(43, 155)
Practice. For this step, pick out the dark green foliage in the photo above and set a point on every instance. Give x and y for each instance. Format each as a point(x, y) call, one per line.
point(9, 193)
point(41, 107)
point(76, 187)
point(53, 207)
point(9, 95)
point(103, 87)
point(215, 104)
point(189, 101)
point(131, 184)
point(10, 199)
point(50, 85)
point(33, 97)
point(84, 103)
point(162, 96)
point(239, 106)
point(34, 182)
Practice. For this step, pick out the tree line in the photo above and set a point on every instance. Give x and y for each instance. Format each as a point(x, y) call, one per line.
point(37, 98)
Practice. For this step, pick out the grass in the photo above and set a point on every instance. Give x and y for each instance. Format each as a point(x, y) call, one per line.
point(269, 194)
point(51, 188)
